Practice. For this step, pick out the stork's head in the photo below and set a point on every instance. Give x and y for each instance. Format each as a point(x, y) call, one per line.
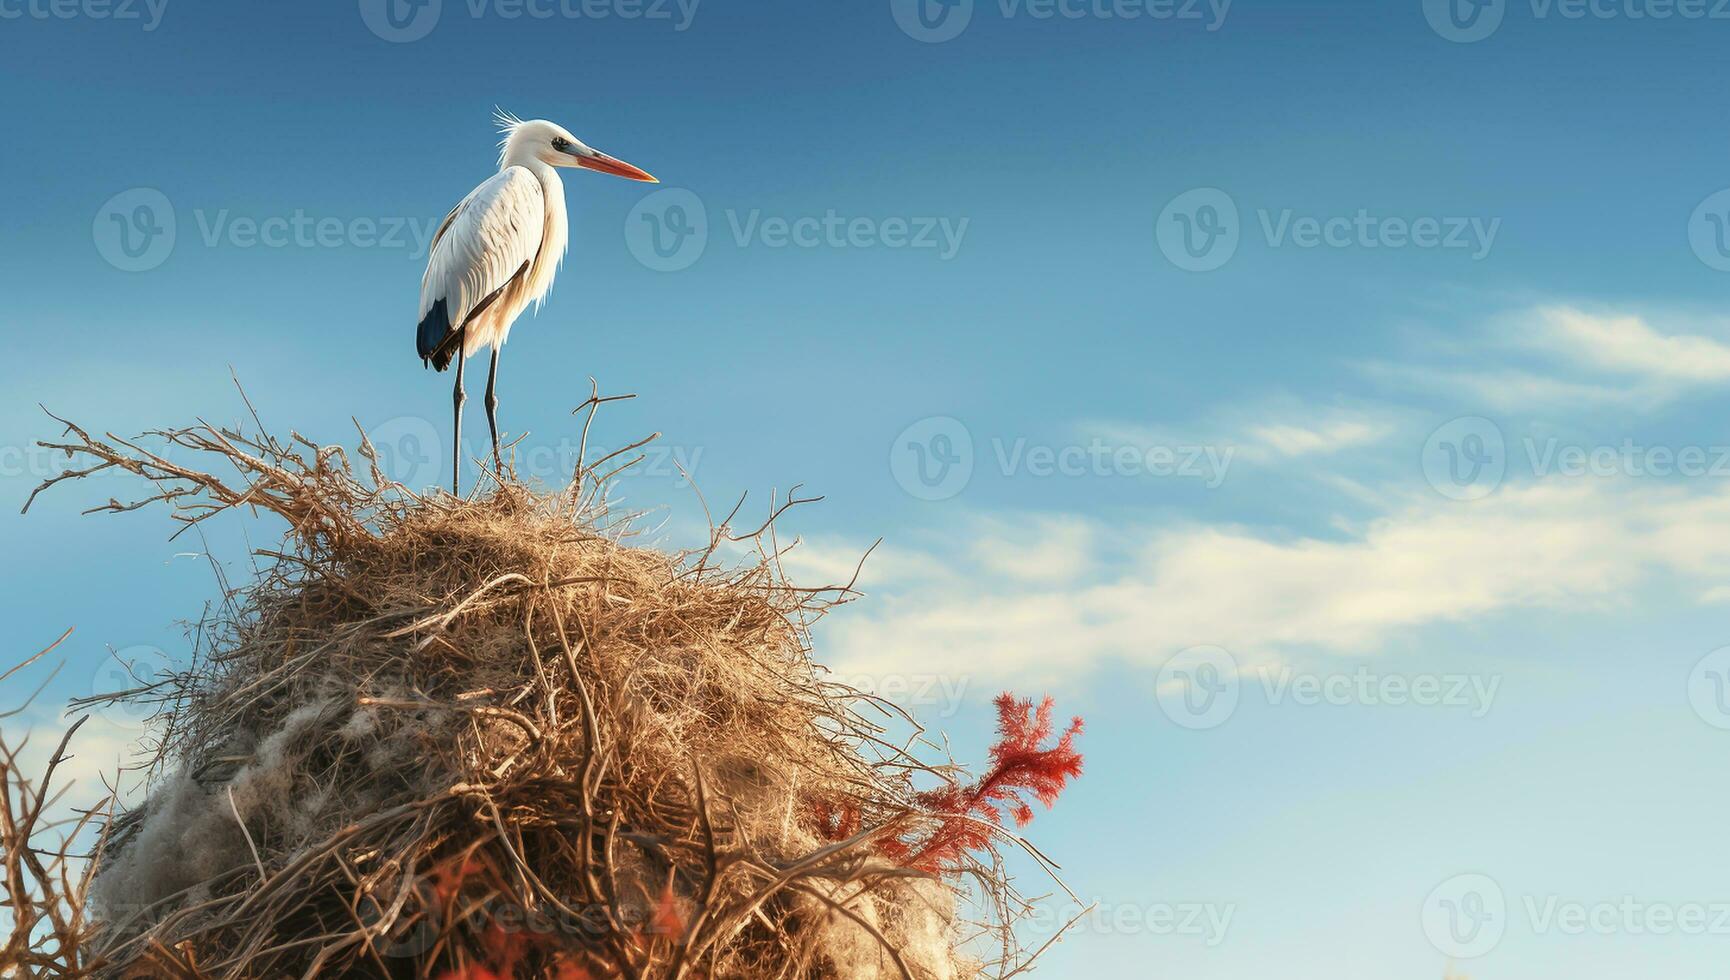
point(554, 146)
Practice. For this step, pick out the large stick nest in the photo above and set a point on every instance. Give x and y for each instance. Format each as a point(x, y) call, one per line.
point(443, 737)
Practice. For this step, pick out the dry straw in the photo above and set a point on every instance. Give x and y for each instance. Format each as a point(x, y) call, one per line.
point(489, 737)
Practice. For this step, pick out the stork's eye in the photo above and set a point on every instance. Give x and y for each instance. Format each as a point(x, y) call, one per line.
point(561, 144)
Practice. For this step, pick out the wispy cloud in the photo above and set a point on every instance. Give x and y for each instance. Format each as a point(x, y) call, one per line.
point(1041, 549)
point(1041, 598)
point(104, 753)
point(1627, 344)
point(1274, 430)
point(1320, 438)
point(1559, 544)
point(1560, 357)
point(1495, 388)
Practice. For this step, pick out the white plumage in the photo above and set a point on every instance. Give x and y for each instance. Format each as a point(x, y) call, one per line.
point(503, 241)
point(498, 252)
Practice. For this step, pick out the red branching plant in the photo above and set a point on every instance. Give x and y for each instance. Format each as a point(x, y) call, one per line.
point(1021, 764)
point(836, 821)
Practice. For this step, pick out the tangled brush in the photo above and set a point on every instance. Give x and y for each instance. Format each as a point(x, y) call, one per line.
point(488, 737)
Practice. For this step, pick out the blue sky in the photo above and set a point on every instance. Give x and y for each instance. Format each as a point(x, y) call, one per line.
point(1426, 405)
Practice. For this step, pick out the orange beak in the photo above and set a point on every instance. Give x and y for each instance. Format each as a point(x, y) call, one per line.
point(601, 163)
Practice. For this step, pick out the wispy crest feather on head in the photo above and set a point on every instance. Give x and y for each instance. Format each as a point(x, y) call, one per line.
point(508, 124)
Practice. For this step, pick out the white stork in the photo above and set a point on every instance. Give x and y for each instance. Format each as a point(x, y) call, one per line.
point(497, 252)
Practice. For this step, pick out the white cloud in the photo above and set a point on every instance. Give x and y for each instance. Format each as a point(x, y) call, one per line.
point(1629, 345)
point(1297, 430)
point(1322, 438)
point(1560, 358)
point(1040, 599)
point(1501, 389)
point(823, 561)
point(103, 753)
point(1558, 544)
point(1041, 549)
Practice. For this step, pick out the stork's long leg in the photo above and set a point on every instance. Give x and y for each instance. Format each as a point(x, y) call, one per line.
point(492, 401)
point(457, 399)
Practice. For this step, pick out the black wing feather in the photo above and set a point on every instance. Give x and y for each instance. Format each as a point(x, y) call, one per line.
point(437, 342)
point(435, 336)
